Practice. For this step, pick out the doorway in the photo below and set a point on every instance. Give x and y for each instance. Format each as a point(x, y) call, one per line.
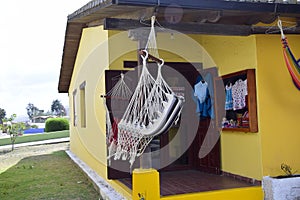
point(179, 147)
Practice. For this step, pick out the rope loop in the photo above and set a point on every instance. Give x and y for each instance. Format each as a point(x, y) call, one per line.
point(145, 57)
point(152, 21)
point(279, 24)
point(162, 62)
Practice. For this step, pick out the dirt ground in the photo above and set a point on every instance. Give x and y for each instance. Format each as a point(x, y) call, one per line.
point(9, 158)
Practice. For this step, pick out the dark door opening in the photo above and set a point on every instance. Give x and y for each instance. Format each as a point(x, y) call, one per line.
point(179, 147)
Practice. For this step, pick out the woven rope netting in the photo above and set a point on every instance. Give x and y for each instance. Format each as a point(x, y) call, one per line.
point(152, 110)
point(120, 90)
point(131, 142)
point(120, 93)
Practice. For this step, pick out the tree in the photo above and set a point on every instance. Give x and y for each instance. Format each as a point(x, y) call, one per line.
point(2, 115)
point(14, 129)
point(31, 110)
point(57, 108)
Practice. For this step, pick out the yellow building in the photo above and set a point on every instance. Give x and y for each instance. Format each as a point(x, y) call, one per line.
point(226, 40)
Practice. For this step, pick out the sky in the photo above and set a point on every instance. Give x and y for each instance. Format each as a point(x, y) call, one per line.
point(31, 46)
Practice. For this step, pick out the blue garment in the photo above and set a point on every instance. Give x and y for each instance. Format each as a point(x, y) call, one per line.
point(204, 104)
point(205, 108)
point(228, 99)
point(200, 90)
point(208, 78)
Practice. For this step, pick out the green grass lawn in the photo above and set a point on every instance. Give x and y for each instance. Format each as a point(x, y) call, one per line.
point(36, 137)
point(52, 176)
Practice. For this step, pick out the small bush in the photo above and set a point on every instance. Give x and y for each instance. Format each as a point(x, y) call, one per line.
point(34, 126)
point(56, 124)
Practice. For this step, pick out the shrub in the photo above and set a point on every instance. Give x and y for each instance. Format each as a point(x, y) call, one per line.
point(56, 124)
point(34, 126)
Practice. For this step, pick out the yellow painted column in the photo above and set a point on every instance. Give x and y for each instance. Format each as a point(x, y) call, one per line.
point(145, 184)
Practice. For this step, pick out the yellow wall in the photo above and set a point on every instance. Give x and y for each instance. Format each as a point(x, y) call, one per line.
point(143, 178)
point(258, 154)
point(120, 48)
point(89, 143)
point(247, 154)
point(92, 57)
point(172, 48)
point(240, 152)
point(228, 53)
point(250, 193)
point(279, 103)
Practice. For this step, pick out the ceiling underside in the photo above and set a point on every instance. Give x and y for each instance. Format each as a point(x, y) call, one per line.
point(213, 17)
point(188, 11)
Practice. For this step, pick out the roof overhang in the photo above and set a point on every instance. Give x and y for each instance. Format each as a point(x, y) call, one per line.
point(215, 17)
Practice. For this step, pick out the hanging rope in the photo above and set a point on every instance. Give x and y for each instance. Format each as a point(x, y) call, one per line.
point(120, 90)
point(120, 93)
point(152, 110)
point(151, 45)
point(292, 64)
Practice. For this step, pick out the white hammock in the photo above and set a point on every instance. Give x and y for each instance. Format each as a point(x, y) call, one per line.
point(161, 108)
point(131, 142)
point(120, 92)
point(152, 110)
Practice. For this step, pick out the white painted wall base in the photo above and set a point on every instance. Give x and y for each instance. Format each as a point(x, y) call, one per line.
point(281, 189)
point(107, 192)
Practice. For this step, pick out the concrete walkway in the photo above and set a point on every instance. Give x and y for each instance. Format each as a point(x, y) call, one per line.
point(51, 141)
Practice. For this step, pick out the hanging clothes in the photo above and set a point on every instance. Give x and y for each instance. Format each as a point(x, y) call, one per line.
point(239, 93)
point(228, 99)
point(205, 108)
point(203, 91)
point(200, 90)
point(209, 79)
point(115, 129)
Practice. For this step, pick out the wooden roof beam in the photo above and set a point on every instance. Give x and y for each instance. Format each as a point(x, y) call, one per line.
point(195, 28)
point(183, 27)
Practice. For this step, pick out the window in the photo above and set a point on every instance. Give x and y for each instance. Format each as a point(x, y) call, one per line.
point(238, 102)
point(74, 108)
point(82, 105)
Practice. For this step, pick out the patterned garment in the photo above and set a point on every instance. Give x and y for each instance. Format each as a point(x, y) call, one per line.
point(228, 100)
point(239, 93)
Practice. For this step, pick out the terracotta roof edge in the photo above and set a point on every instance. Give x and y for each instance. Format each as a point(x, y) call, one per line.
point(92, 4)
